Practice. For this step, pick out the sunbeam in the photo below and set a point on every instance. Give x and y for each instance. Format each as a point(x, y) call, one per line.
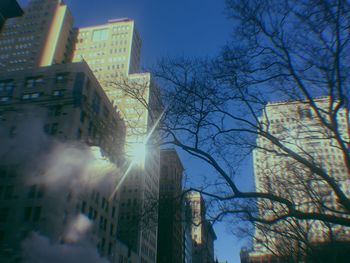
point(138, 155)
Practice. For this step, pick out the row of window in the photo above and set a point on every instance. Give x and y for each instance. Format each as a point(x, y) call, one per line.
point(33, 96)
point(15, 69)
point(31, 214)
point(31, 82)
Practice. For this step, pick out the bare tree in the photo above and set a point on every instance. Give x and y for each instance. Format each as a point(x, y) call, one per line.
point(219, 111)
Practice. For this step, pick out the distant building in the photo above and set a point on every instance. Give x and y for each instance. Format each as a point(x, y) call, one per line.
point(203, 234)
point(9, 9)
point(66, 103)
point(187, 232)
point(298, 127)
point(170, 226)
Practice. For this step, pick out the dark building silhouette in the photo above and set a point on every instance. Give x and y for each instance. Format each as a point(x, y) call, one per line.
point(170, 228)
point(9, 9)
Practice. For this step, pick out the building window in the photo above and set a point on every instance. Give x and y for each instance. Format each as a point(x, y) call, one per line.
point(58, 93)
point(110, 248)
point(30, 96)
point(55, 110)
point(27, 213)
point(113, 211)
point(7, 85)
point(36, 191)
point(61, 77)
point(51, 129)
point(79, 134)
point(32, 213)
point(82, 116)
point(33, 81)
point(96, 103)
point(100, 35)
point(2, 236)
point(305, 114)
point(37, 214)
point(9, 189)
point(83, 207)
point(5, 99)
point(4, 214)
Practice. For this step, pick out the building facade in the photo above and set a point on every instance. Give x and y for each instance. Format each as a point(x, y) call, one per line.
point(44, 37)
point(170, 216)
point(112, 50)
point(59, 111)
point(41, 37)
point(298, 127)
point(203, 235)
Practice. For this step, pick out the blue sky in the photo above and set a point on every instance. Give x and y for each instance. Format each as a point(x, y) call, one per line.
point(182, 27)
point(172, 28)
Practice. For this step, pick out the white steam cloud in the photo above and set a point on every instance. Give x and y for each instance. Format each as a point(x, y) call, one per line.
point(62, 167)
point(39, 249)
point(77, 229)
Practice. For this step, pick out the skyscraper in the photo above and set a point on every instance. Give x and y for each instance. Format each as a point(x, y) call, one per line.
point(41, 37)
point(112, 50)
point(297, 126)
point(170, 226)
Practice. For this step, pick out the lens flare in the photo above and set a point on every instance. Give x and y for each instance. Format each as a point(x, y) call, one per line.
point(138, 154)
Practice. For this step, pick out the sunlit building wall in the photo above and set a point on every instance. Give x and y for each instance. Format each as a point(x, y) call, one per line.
point(38, 108)
point(112, 50)
point(297, 126)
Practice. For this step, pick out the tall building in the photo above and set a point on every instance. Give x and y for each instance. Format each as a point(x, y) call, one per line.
point(58, 111)
point(41, 37)
point(112, 50)
point(203, 234)
point(298, 127)
point(44, 37)
point(170, 215)
point(9, 9)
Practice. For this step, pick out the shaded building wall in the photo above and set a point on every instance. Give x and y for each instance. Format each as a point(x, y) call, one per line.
point(47, 111)
point(9, 9)
point(170, 216)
